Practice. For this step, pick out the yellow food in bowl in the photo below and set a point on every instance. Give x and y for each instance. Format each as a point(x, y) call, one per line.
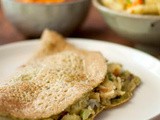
point(150, 7)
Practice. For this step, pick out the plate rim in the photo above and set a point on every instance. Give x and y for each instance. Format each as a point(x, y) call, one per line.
point(28, 41)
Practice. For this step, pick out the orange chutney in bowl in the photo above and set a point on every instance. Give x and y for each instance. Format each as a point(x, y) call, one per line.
point(44, 1)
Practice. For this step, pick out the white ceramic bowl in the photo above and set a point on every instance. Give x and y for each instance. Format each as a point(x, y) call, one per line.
point(138, 28)
point(32, 18)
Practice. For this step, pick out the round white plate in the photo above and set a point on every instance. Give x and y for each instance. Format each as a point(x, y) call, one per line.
point(145, 103)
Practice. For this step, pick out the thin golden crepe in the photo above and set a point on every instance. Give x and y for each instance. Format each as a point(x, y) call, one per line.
point(63, 82)
point(58, 75)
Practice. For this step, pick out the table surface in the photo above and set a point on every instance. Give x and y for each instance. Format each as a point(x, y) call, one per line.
point(94, 27)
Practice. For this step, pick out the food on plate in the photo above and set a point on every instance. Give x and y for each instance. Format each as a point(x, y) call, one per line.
point(151, 7)
point(45, 1)
point(63, 82)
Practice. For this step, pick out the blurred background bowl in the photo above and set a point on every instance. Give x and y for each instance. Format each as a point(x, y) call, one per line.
point(143, 29)
point(32, 18)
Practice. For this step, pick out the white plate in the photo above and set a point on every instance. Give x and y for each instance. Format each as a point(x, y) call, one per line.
point(145, 104)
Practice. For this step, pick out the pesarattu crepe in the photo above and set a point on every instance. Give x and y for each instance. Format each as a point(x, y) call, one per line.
point(62, 82)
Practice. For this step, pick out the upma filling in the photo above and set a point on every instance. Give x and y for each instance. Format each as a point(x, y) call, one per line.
point(116, 89)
